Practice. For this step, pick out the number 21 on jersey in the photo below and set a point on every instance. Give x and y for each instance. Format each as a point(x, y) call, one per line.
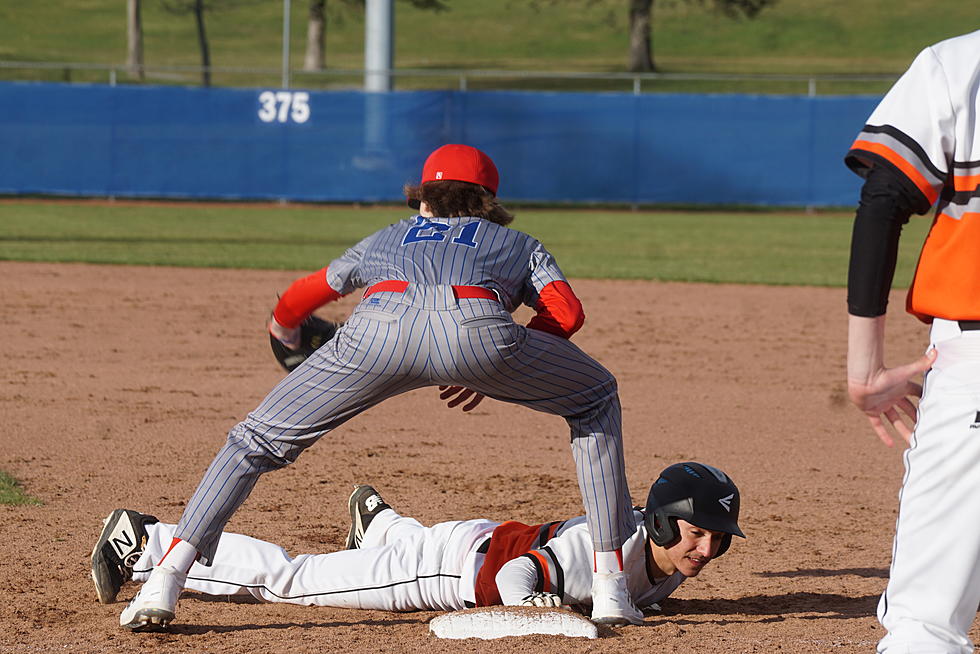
point(427, 230)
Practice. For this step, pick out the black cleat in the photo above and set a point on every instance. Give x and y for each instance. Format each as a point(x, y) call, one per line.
point(364, 504)
point(120, 545)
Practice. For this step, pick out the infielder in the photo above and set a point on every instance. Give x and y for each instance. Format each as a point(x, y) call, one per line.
point(440, 287)
point(393, 563)
point(922, 146)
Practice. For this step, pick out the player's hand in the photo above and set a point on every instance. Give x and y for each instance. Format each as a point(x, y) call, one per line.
point(887, 397)
point(288, 337)
point(541, 599)
point(460, 394)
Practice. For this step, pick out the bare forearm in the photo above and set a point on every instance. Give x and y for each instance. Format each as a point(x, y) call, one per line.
point(865, 348)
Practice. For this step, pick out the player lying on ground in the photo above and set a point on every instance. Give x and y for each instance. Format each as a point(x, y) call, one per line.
point(393, 563)
point(439, 288)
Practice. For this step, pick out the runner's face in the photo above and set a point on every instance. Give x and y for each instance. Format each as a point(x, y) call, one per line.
point(694, 549)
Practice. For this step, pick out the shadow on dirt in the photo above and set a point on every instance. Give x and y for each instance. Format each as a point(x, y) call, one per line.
point(775, 608)
point(879, 573)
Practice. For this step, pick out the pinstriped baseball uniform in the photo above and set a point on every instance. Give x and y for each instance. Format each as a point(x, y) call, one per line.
point(399, 341)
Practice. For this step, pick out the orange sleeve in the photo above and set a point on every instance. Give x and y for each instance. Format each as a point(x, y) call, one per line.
point(559, 310)
point(302, 298)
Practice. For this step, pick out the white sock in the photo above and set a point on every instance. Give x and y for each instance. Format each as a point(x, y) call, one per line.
point(608, 562)
point(180, 556)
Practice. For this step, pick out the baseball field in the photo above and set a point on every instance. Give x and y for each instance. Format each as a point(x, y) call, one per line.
point(726, 333)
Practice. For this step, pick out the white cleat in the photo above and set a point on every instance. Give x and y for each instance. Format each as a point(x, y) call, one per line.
point(156, 602)
point(611, 600)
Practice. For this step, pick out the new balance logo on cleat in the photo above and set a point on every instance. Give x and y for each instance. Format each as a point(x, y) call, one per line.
point(117, 550)
point(125, 543)
point(373, 502)
point(364, 504)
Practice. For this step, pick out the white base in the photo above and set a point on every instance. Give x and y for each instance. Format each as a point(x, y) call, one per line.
point(500, 622)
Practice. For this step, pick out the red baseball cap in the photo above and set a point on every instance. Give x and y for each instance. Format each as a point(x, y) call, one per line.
point(461, 163)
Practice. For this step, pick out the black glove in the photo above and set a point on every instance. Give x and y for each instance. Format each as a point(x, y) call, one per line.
point(313, 332)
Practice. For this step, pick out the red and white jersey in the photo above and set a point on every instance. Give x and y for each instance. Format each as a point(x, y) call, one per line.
point(565, 561)
point(926, 129)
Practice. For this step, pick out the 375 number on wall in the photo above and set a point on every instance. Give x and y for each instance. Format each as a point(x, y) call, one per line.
point(284, 106)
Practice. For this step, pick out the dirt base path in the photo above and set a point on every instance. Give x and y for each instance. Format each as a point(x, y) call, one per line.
point(119, 384)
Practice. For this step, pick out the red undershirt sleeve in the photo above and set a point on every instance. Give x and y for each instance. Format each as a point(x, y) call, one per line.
point(559, 310)
point(302, 298)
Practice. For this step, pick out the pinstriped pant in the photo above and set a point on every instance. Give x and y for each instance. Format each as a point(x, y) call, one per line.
point(397, 342)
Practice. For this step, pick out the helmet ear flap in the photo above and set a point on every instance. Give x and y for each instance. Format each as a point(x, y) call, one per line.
point(726, 542)
point(660, 527)
point(661, 521)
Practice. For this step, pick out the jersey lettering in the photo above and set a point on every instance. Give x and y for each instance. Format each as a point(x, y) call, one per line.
point(427, 230)
point(466, 235)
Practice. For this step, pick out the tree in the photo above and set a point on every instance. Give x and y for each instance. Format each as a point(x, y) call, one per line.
point(198, 7)
point(640, 21)
point(316, 27)
point(641, 49)
point(134, 39)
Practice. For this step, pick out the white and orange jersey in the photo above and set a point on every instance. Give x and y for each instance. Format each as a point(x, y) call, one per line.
point(563, 566)
point(926, 129)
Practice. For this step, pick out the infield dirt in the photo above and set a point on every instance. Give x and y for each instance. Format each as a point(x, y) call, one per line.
point(120, 383)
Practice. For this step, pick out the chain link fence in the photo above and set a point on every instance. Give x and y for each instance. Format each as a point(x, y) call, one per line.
point(450, 79)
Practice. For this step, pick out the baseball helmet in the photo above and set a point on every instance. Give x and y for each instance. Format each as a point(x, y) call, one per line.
point(462, 163)
point(698, 493)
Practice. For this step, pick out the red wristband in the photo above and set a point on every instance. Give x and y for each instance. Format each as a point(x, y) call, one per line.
point(302, 298)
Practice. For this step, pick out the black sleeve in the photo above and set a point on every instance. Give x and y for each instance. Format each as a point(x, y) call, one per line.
point(884, 209)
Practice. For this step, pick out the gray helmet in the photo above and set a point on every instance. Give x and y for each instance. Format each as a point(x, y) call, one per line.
point(695, 492)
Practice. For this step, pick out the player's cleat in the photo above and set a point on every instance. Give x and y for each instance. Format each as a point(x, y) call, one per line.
point(611, 600)
point(120, 545)
point(364, 504)
point(156, 602)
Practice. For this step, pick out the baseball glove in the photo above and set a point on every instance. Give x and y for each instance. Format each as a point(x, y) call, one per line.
point(541, 599)
point(313, 332)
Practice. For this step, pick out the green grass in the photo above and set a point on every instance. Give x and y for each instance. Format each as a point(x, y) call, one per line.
point(12, 493)
point(794, 36)
point(737, 247)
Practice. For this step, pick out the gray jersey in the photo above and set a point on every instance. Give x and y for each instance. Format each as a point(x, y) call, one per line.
point(450, 251)
point(395, 342)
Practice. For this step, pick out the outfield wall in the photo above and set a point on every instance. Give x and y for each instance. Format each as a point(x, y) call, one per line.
point(349, 146)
